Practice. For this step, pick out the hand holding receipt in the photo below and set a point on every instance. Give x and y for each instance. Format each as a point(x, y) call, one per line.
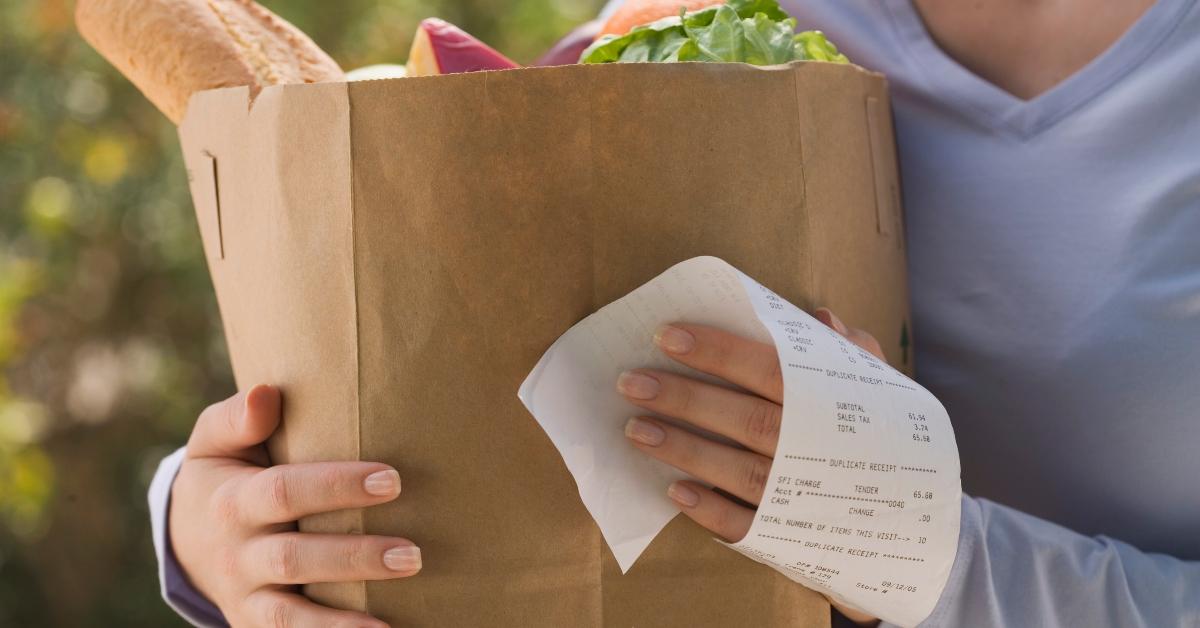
point(857, 489)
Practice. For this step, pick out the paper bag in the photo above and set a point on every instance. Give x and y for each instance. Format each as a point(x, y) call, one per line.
point(397, 254)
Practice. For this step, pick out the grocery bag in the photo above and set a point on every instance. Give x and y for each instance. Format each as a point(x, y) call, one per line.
point(397, 254)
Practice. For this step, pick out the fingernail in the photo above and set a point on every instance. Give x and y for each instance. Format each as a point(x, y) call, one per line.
point(682, 495)
point(826, 315)
point(675, 340)
point(637, 385)
point(383, 483)
point(645, 432)
point(406, 558)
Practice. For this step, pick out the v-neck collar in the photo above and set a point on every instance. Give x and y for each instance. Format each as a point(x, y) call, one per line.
point(1000, 109)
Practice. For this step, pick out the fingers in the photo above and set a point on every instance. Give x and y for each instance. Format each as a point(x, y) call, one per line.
point(749, 420)
point(864, 340)
point(285, 493)
point(302, 558)
point(234, 427)
point(826, 316)
point(718, 514)
point(742, 473)
point(867, 342)
point(273, 608)
point(749, 364)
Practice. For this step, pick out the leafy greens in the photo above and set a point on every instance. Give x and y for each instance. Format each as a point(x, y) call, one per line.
point(748, 31)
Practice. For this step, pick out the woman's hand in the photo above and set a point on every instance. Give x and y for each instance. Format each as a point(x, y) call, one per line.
point(750, 419)
point(232, 521)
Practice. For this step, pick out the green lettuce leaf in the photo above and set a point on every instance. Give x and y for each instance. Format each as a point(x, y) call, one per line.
point(750, 8)
point(648, 42)
point(815, 46)
point(748, 31)
point(720, 40)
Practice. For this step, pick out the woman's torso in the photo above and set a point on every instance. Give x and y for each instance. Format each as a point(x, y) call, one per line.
point(1054, 253)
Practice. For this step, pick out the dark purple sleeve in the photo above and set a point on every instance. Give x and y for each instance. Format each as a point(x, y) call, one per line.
point(177, 591)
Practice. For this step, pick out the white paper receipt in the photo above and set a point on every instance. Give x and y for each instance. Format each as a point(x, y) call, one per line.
point(863, 499)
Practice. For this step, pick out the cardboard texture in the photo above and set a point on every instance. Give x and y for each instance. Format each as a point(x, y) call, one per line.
point(397, 254)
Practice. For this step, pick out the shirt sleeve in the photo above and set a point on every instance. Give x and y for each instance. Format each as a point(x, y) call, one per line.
point(177, 591)
point(1013, 569)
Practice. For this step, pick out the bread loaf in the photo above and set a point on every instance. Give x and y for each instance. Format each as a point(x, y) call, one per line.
point(172, 48)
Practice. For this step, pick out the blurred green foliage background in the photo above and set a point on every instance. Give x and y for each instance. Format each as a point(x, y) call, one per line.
point(110, 340)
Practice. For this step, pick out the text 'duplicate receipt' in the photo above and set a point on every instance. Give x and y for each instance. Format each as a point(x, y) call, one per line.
point(863, 497)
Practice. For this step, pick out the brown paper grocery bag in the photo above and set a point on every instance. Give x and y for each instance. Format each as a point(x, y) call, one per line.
point(397, 254)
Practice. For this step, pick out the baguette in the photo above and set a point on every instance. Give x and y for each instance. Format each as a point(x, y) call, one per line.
point(170, 49)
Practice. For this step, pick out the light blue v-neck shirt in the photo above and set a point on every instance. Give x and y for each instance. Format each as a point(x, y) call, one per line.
point(1054, 254)
point(1054, 251)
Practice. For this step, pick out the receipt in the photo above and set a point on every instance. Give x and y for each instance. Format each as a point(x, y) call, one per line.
point(862, 502)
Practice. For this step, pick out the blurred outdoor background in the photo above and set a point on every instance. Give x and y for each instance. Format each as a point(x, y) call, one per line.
point(110, 340)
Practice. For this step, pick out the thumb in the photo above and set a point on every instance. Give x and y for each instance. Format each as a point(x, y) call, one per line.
point(233, 428)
